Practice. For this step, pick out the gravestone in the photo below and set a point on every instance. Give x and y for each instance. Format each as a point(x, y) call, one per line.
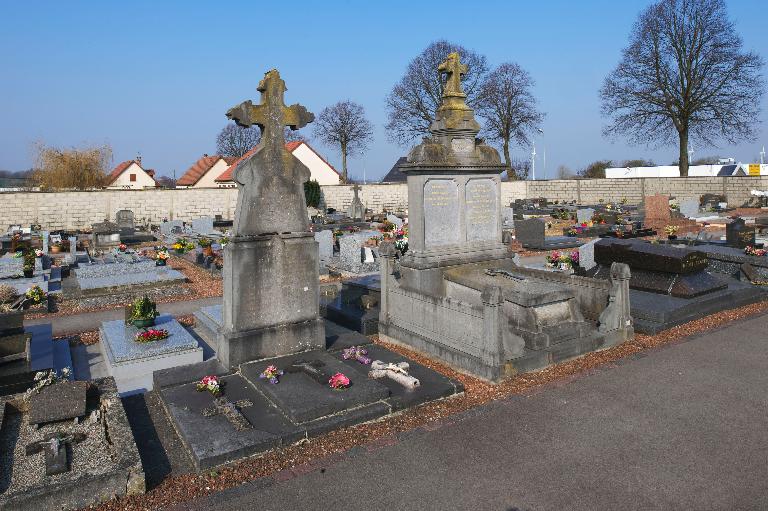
point(356, 210)
point(271, 286)
point(662, 269)
point(531, 233)
point(203, 225)
point(125, 222)
point(584, 215)
point(168, 228)
point(689, 208)
point(657, 209)
point(106, 234)
point(587, 255)
point(738, 234)
point(507, 217)
point(395, 220)
point(325, 244)
point(44, 235)
point(58, 402)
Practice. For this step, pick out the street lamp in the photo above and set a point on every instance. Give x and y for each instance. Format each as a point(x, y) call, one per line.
point(544, 153)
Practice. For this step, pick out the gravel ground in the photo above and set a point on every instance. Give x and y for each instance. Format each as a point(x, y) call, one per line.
point(200, 284)
point(25, 471)
point(185, 487)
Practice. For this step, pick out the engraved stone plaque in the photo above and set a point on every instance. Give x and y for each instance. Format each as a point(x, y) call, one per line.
point(481, 210)
point(462, 145)
point(441, 212)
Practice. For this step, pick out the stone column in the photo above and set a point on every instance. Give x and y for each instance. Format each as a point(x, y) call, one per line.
point(387, 254)
point(492, 348)
point(45, 234)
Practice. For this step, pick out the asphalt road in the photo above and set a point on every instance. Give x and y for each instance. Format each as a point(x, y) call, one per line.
point(683, 427)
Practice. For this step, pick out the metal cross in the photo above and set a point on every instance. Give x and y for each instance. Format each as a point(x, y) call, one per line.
point(231, 411)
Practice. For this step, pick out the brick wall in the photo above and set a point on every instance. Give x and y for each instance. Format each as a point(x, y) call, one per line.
point(73, 210)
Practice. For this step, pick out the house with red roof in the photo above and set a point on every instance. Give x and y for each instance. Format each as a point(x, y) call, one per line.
point(130, 175)
point(203, 173)
point(320, 170)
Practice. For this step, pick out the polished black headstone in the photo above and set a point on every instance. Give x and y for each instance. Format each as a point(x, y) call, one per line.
point(738, 234)
point(646, 256)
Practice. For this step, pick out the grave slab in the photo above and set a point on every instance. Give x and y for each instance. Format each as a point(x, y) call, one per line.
point(58, 402)
point(303, 398)
point(269, 428)
point(132, 363)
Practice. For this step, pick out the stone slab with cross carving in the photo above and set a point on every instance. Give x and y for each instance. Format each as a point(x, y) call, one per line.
point(269, 429)
point(303, 398)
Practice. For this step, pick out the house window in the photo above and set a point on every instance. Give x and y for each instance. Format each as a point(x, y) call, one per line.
point(133, 178)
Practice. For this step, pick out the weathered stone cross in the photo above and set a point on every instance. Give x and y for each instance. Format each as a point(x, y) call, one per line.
point(396, 372)
point(272, 196)
point(455, 70)
point(55, 449)
point(231, 411)
point(272, 114)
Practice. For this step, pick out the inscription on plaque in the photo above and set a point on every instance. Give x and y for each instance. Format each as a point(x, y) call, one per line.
point(462, 145)
point(481, 210)
point(441, 212)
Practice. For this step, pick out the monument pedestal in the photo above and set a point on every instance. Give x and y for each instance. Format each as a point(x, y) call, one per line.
point(271, 298)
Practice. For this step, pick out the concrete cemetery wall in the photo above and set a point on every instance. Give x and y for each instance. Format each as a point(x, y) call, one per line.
point(72, 210)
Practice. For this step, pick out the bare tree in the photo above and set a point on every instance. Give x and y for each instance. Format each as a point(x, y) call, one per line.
point(235, 141)
point(684, 75)
point(413, 101)
point(508, 107)
point(344, 125)
point(79, 169)
point(519, 169)
point(564, 172)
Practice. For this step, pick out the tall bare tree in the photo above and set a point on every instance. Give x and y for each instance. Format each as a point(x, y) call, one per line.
point(79, 169)
point(684, 75)
point(508, 106)
point(344, 125)
point(413, 101)
point(236, 141)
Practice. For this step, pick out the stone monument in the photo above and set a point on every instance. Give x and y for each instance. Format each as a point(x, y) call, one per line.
point(271, 289)
point(454, 187)
point(457, 293)
point(356, 210)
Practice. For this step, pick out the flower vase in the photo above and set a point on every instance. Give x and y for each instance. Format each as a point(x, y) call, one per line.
point(55, 249)
point(28, 273)
point(143, 323)
point(160, 262)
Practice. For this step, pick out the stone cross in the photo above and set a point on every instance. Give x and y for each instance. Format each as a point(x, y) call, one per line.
point(55, 449)
point(396, 372)
point(231, 411)
point(356, 188)
point(310, 368)
point(455, 70)
point(272, 179)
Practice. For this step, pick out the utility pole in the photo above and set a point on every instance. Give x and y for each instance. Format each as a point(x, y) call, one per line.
point(533, 161)
point(762, 156)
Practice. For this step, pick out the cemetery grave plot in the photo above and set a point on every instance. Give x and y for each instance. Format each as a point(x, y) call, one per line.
point(82, 451)
point(671, 285)
point(122, 271)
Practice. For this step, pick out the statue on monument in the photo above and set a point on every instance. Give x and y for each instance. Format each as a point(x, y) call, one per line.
point(271, 182)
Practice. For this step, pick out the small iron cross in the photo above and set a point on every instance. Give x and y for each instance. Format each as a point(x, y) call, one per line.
point(311, 368)
point(231, 411)
point(55, 448)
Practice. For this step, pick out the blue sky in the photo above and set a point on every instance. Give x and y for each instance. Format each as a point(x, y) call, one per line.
point(157, 77)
